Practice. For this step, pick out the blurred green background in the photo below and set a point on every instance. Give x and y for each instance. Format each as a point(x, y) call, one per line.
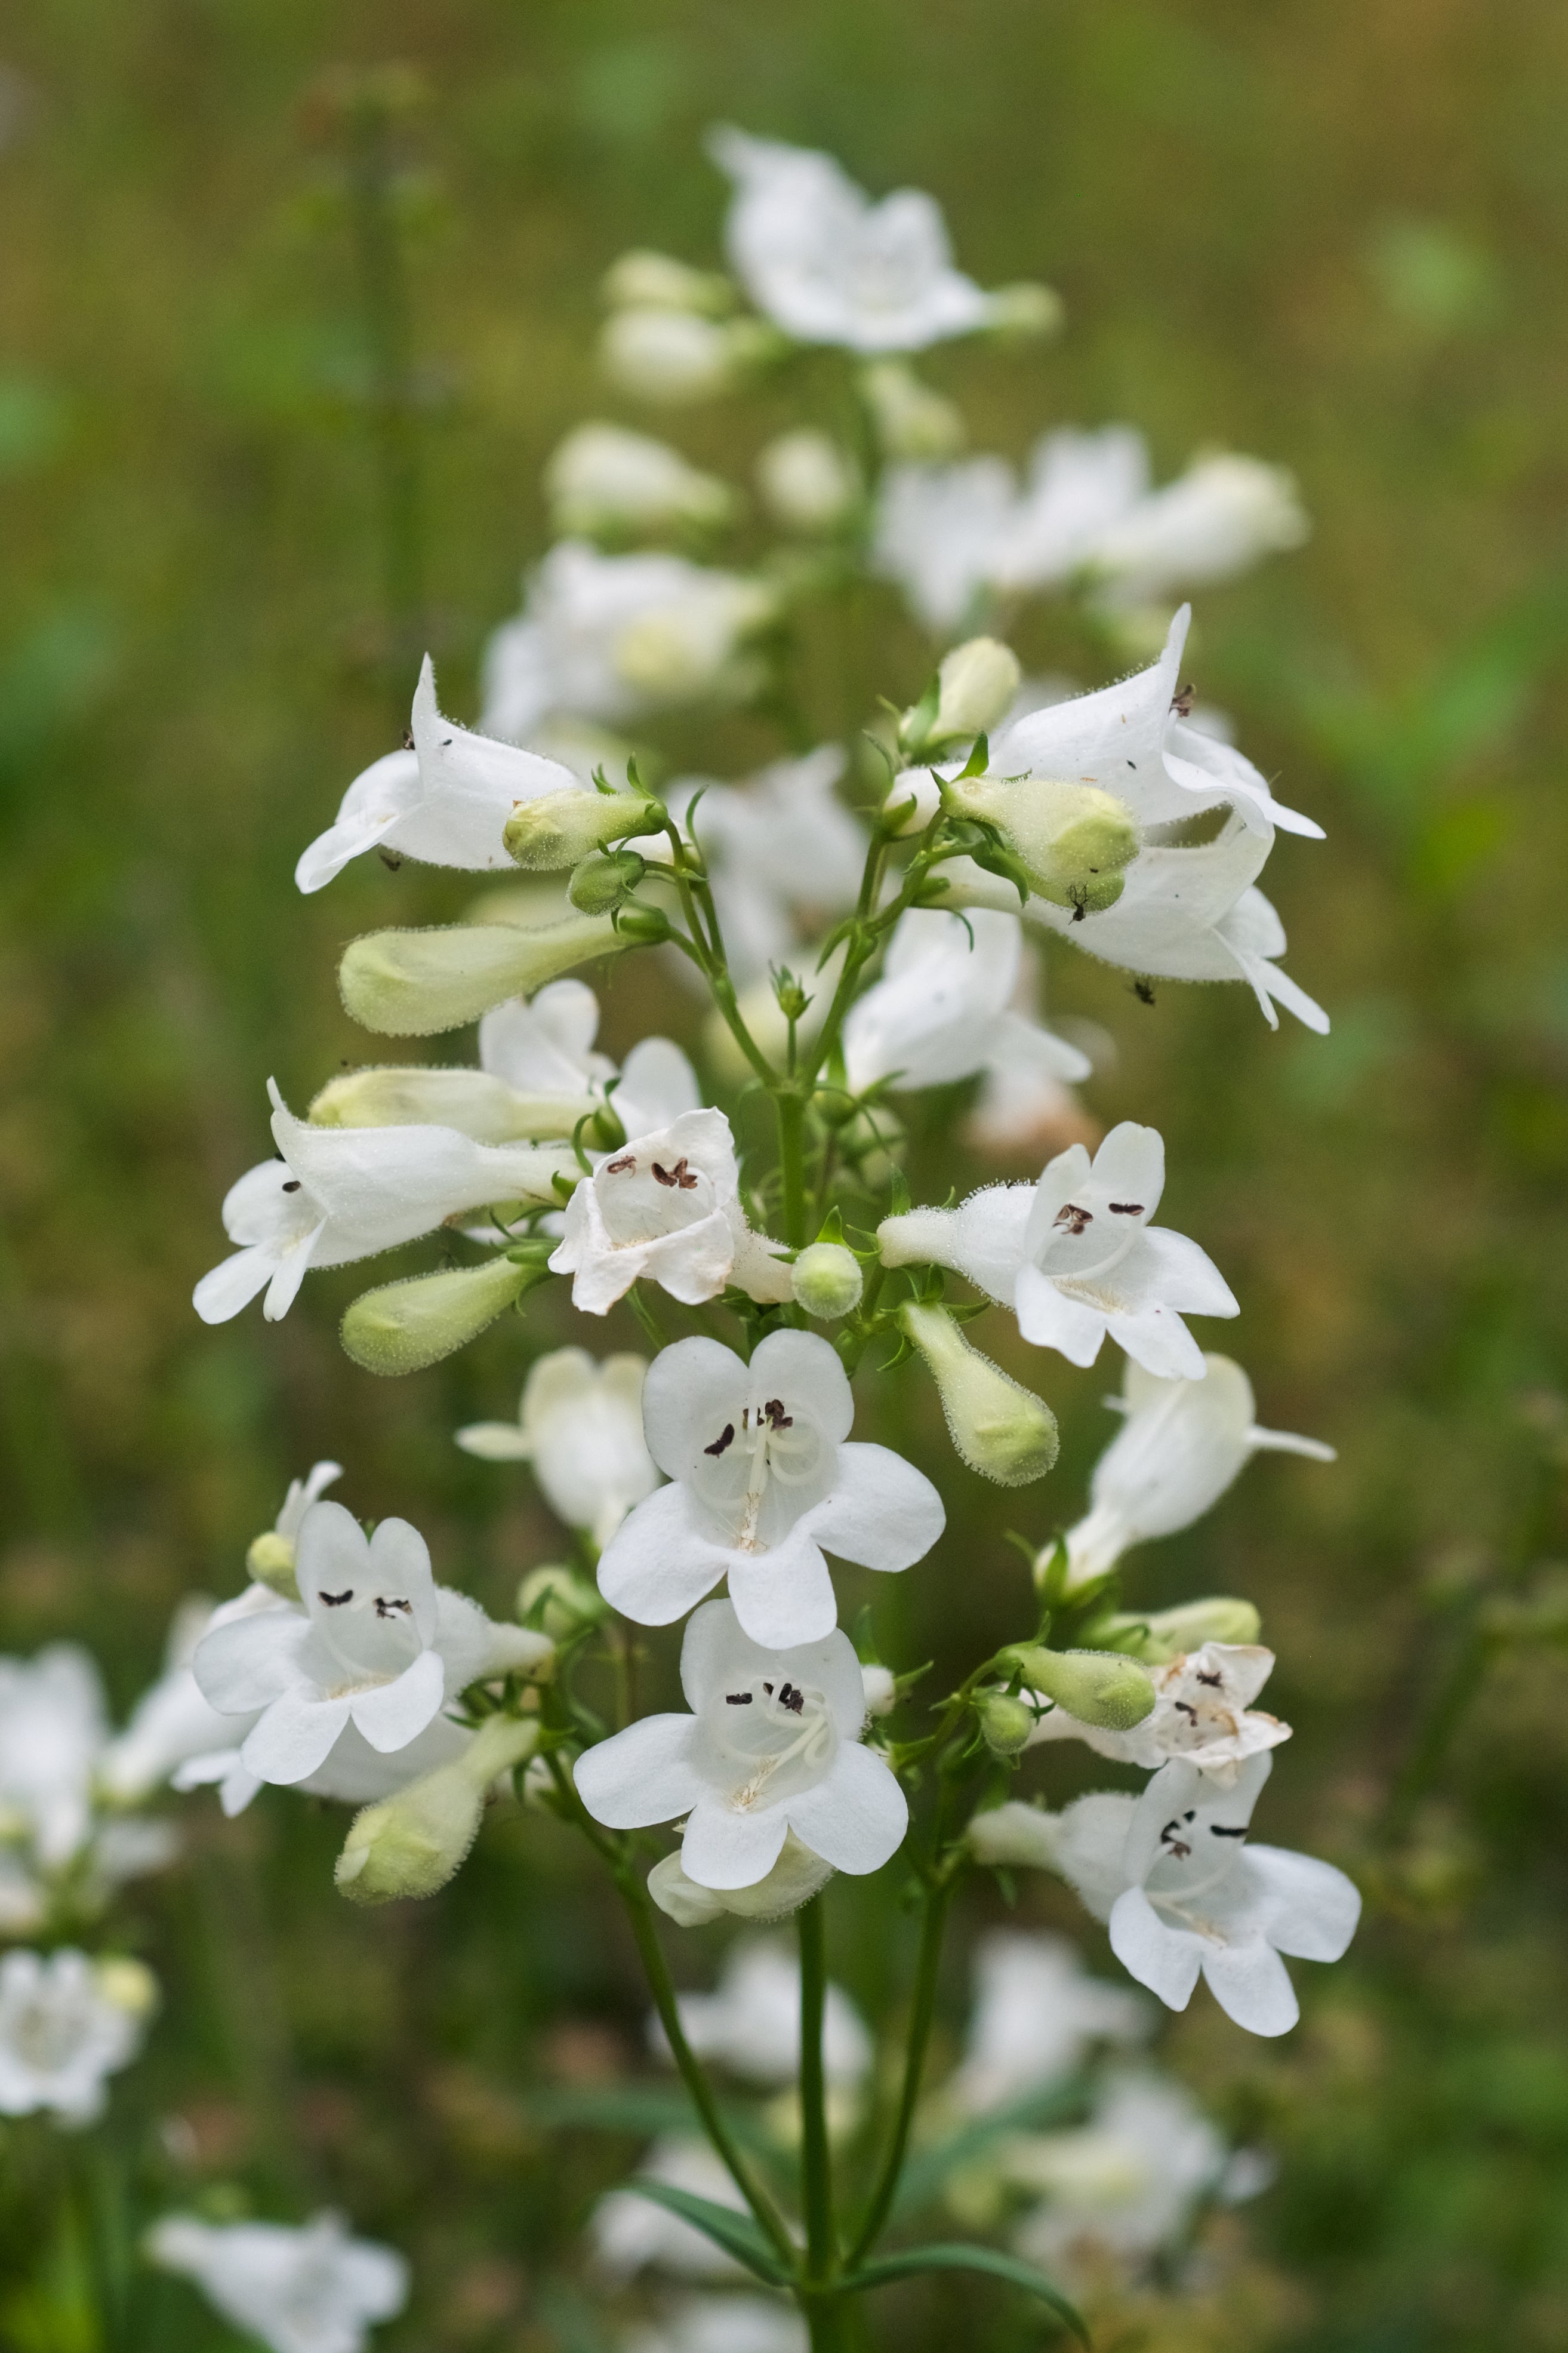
point(1331, 234)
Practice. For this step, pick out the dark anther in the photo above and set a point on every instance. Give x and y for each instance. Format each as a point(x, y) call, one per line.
point(1177, 1846)
point(292, 1186)
point(336, 1600)
point(1073, 1218)
point(1182, 701)
point(408, 739)
point(678, 1176)
point(769, 1689)
point(792, 1699)
point(1078, 898)
point(1223, 1829)
point(387, 1609)
point(1184, 1708)
point(619, 1167)
point(723, 1439)
point(777, 1417)
point(1214, 1683)
point(1127, 1208)
point(390, 859)
point(1144, 990)
point(737, 1699)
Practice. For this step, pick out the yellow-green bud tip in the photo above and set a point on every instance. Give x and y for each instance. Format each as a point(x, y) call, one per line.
point(270, 1561)
point(1100, 1687)
point(404, 1326)
point(1006, 1723)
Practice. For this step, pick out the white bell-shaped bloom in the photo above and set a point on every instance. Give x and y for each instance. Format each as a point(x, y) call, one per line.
point(828, 266)
point(443, 800)
point(1183, 1894)
point(174, 1732)
point(666, 1209)
point(1079, 486)
point(338, 1194)
point(1036, 2013)
point(580, 1425)
point(763, 1483)
point(945, 1008)
point(632, 2234)
point(311, 2290)
point(608, 637)
point(370, 1660)
point(603, 477)
point(1180, 1445)
point(543, 1045)
point(723, 2324)
point(937, 535)
point(66, 2024)
point(1124, 2185)
point(1218, 519)
point(1203, 1712)
point(1076, 1257)
point(772, 1745)
point(53, 1730)
point(785, 856)
point(750, 2023)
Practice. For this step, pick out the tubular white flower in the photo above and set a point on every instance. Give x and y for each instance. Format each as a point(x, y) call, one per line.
point(936, 534)
point(1180, 1447)
point(751, 2023)
point(580, 1426)
point(53, 1729)
point(1075, 1256)
point(443, 802)
point(945, 1008)
point(808, 482)
point(828, 266)
point(364, 1669)
point(1037, 2012)
point(65, 2026)
point(631, 2233)
point(1218, 519)
point(1182, 1894)
point(338, 1194)
point(1125, 2184)
point(312, 2290)
point(1079, 486)
point(666, 1209)
point(771, 1745)
point(763, 1484)
point(1203, 1712)
point(603, 477)
point(674, 356)
point(544, 1045)
point(784, 853)
point(175, 1735)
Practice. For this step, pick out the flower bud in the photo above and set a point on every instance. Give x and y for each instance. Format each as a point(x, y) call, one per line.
point(560, 828)
point(569, 1602)
point(975, 686)
point(881, 1689)
point(271, 1562)
point(1015, 1836)
point(642, 281)
point(401, 1327)
point(808, 482)
point(604, 880)
point(794, 1879)
point(1073, 840)
point(827, 1280)
point(1171, 1634)
point(1025, 312)
point(910, 420)
point(127, 1985)
point(642, 926)
point(472, 1102)
point(411, 984)
point(604, 481)
point(1102, 1687)
point(921, 788)
point(412, 1843)
point(1006, 1723)
point(673, 356)
point(998, 1426)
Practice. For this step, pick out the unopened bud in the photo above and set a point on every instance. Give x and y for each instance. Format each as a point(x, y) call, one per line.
point(411, 984)
point(271, 1562)
point(910, 420)
point(827, 1280)
point(1100, 1687)
point(412, 1843)
point(1013, 1837)
point(975, 686)
point(794, 1879)
point(1027, 311)
point(603, 479)
point(604, 880)
point(674, 356)
point(1171, 1634)
point(558, 1600)
point(404, 1326)
point(1073, 840)
point(128, 1985)
point(998, 1426)
point(472, 1102)
point(809, 483)
point(560, 828)
point(882, 1687)
point(642, 926)
point(656, 281)
point(1006, 1723)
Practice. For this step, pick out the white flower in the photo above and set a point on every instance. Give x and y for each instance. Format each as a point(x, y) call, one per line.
point(1180, 1445)
point(1076, 1257)
point(603, 477)
point(763, 1484)
point(1126, 2183)
point(1217, 520)
point(312, 2290)
point(580, 1425)
point(543, 1045)
point(723, 2324)
point(1080, 485)
point(783, 854)
point(752, 2024)
point(370, 1660)
point(937, 532)
point(673, 357)
point(944, 1008)
point(443, 800)
point(808, 482)
point(631, 2232)
point(606, 637)
point(174, 1732)
point(338, 1194)
point(667, 1207)
point(1203, 1712)
point(65, 2025)
point(1182, 1892)
point(828, 266)
point(1036, 2011)
point(773, 1745)
point(53, 1729)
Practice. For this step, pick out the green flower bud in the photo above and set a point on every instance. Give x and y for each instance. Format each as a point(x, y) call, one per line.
point(975, 687)
point(1172, 1632)
point(641, 926)
point(412, 1843)
point(910, 420)
point(270, 1561)
point(404, 1326)
point(827, 1280)
point(998, 1426)
point(1102, 1687)
point(411, 984)
point(560, 829)
point(1073, 840)
point(471, 1100)
point(1016, 1836)
point(1025, 312)
point(604, 880)
point(1006, 1723)
point(570, 1601)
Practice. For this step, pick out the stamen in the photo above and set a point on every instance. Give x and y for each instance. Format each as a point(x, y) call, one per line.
point(336, 1600)
point(385, 1607)
point(1074, 1219)
point(722, 1440)
point(1127, 1208)
point(625, 1166)
point(739, 1699)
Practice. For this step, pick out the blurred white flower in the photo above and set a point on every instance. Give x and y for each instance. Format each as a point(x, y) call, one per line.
point(311, 2290)
point(808, 482)
point(1037, 2012)
point(938, 528)
point(794, 1879)
point(1203, 1712)
point(631, 2233)
point(1217, 520)
point(66, 2024)
point(1126, 2184)
point(674, 357)
point(603, 477)
point(580, 1426)
point(543, 1045)
point(55, 1845)
point(828, 266)
point(174, 1734)
point(722, 2323)
point(785, 856)
point(751, 2023)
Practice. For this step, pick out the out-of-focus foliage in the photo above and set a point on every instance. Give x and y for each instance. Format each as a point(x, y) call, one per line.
point(1334, 234)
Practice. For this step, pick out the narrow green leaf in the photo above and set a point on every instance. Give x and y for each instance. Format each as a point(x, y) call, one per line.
point(735, 2232)
point(1032, 2111)
point(958, 2256)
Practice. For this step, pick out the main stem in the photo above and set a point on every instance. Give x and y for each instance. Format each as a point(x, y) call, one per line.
point(815, 2157)
point(922, 2013)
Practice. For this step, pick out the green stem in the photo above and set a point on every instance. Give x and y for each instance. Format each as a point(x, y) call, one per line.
point(815, 2157)
point(938, 1896)
point(791, 1109)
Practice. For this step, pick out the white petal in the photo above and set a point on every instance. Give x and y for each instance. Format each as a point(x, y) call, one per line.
point(1312, 1909)
point(690, 1390)
point(232, 1285)
point(659, 1563)
point(1049, 1318)
point(294, 1738)
point(882, 1513)
point(397, 1712)
point(1163, 1958)
point(725, 1849)
point(1252, 1984)
point(856, 1815)
point(806, 1362)
point(494, 1441)
point(248, 1663)
point(1157, 1339)
point(784, 1597)
point(1167, 1266)
point(642, 1775)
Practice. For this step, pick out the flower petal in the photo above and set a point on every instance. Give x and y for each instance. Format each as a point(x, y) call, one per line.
point(1252, 1984)
point(295, 1737)
point(691, 1389)
point(1167, 1960)
point(1312, 1908)
point(394, 1714)
point(642, 1775)
point(659, 1564)
point(784, 1597)
point(249, 1663)
point(806, 1361)
point(234, 1283)
point(725, 1849)
point(882, 1513)
point(856, 1816)
point(1049, 1317)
